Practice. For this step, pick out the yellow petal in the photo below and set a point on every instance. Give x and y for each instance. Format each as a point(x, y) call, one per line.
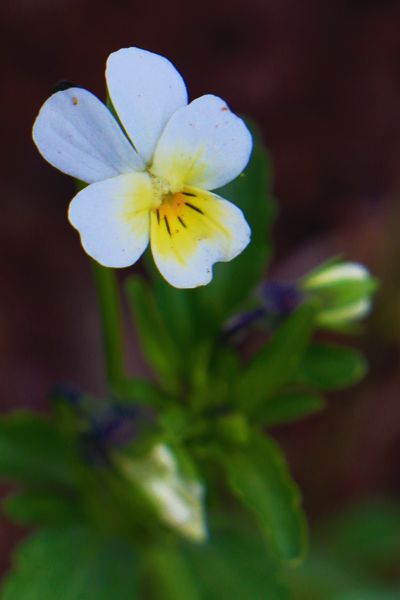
point(191, 231)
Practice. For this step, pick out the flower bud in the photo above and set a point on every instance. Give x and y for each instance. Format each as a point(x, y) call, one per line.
point(178, 499)
point(344, 291)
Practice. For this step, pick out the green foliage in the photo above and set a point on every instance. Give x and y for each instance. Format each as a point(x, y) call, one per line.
point(367, 534)
point(72, 563)
point(235, 563)
point(141, 391)
point(168, 574)
point(275, 364)
point(259, 476)
point(32, 450)
point(41, 508)
point(157, 344)
point(355, 557)
point(290, 406)
point(331, 367)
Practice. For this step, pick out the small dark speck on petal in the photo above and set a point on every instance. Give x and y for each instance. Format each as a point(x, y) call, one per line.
point(224, 108)
point(74, 100)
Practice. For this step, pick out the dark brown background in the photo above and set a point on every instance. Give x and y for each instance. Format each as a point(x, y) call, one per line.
point(323, 80)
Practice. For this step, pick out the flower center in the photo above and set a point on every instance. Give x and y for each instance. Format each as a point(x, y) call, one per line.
point(171, 210)
point(161, 189)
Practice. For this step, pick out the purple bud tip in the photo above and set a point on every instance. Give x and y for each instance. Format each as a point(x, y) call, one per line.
point(279, 299)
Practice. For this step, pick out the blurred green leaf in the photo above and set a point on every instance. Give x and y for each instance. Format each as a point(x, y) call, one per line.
point(276, 363)
point(235, 563)
point(169, 575)
point(325, 576)
point(33, 450)
point(259, 477)
point(355, 556)
point(142, 391)
point(288, 407)
point(41, 507)
point(179, 310)
point(329, 367)
point(157, 343)
point(72, 564)
point(368, 534)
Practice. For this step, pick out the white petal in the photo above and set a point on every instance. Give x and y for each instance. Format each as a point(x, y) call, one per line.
point(145, 89)
point(345, 314)
point(203, 144)
point(78, 135)
point(112, 217)
point(345, 271)
point(192, 232)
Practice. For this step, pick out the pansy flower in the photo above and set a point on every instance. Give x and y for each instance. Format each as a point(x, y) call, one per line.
point(151, 172)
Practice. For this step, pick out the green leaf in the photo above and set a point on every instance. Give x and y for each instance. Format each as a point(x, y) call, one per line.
point(355, 557)
point(258, 475)
point(367, 534)
point(288, 407)
point(276, 363)
point(32, 450)
point(324, 576)
point(331, 367)
point(141, 391)
point(157, 343)
point(169, 575)
point(72, 564)
point(40, 507)
point(235, 563)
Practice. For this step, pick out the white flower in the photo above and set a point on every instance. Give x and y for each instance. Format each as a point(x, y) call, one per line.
point(154, 182)
point(178, 499)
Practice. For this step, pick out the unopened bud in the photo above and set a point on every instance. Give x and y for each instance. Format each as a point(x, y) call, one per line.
point(179, 500)
point(344, 291)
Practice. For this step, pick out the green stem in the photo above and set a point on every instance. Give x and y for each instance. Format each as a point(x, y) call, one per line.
point(111, 321)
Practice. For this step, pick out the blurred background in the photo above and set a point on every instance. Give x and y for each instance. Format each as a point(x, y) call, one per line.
point(322, 79)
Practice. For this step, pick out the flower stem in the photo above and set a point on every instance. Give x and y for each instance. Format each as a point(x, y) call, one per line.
point(111, 321)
